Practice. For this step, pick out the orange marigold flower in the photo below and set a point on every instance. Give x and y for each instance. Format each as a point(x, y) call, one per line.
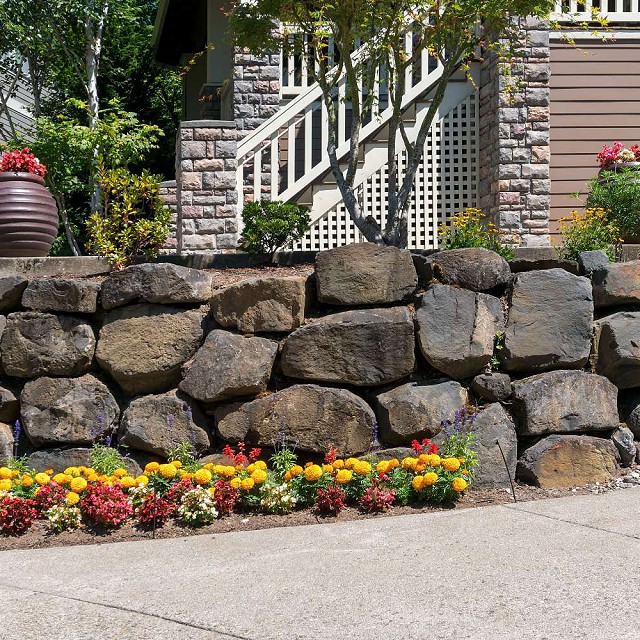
point(450, 464)
point(459, 484)
point(344, 476)
point(247, 484)
point(313, 472)
point(417, 483)
point(430, 479)
point(259, 476)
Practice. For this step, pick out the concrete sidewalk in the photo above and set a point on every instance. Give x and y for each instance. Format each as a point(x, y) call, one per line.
point(565, 568)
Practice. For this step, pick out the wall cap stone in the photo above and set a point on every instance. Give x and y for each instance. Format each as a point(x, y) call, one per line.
point(201, 124)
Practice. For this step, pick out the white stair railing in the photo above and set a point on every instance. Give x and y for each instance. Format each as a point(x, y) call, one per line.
point(615, 11)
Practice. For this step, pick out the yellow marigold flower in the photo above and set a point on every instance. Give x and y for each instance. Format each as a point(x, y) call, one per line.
point(142, 480)
point(434, 460)
point(235, 483)
point(49, 472)
point(26, 480)
point(127, 482)
point(60, 478)
point(417, 482)
point(462, 460)
point(260, 464)
point(349, 462)
point(5, 484)
point(327, 468)
point(424, 458)
point(218, 469)
point(87, 471)
point(338, 464)
point(344, 476)
point(120, 473)
point(151, 467)
point(94, 477)
point(296, 470)
point(202, 476)
point(102, 479)
point(451, 464)
point(313, 472)
point(409, 463)
point(168, 471)
point(78, 485)
point(420, 467)
point(176, 463)
point(287, 475)
point(251, 468)
point(229, 471)
point(259, 476)
point(72, 497)
point(464, 472)
point(212, 491)
point(393, 463)
point(5, 473)
point(210, 466)
point(247, 484)
point(186, 474)
point(382, 466)
point(42, 478)
point(15, 473)
point(362, 468)
point(429, 479)
point(72, 471)
point(459, 484)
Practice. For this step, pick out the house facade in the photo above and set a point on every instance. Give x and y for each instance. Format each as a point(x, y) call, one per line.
point(256, 128)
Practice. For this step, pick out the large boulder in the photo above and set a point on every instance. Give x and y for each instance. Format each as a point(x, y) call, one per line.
point(11, 289)
point(67, 411)
point(363, 348)
point(161, 283)
point(144, 346)
point(616, 283)
point(456, 329)
point(618, 352)
point(6, 441)
point(61, 459)
point(40, 344)
point(491, 426)
point(560, 462)
point(315, 418)
point(157, 423)
point(228, 365)
point(630, 410)
point(475, 268)
point(589, 261)
point(365, 273)
point(417, 410)
point(623, 440)
point(70, 296)
point(549, 324)
point(261, 304)
point(493, 387)
point(9, 403)
point(565, 402)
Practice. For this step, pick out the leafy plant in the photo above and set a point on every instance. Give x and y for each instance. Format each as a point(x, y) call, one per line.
point(269, 226)
point(471, 228)
point(185, 454)
point(106, 506)
point(330, 501)
point(16, 515)
point(63, 517)
point(498, 346)
point(590, 231)
point(281, 461)
point(133, 221)
point(105, 460)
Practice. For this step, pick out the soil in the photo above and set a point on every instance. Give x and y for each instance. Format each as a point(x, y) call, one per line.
point(39, 536)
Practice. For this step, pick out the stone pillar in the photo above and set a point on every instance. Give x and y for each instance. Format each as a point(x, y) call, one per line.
point(514, 139)
point(167, 192)
point(206, 186)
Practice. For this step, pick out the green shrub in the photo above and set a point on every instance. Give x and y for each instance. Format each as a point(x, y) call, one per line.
point(134, 220)
point(269, 226)
point(591, 231)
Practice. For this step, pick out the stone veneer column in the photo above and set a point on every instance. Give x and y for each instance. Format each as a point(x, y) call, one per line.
point(514, 139)
point(206, 186)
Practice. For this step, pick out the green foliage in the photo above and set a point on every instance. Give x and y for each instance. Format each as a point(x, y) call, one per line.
point(498, 346)
point(618, 193)
point(304, 491)
point(133, 221)
point(400, 481)
point(590, 231)
point(20, 464)
point(461, 445)
point(471, 228)
point(105, 460)
point(281, 461)
point(185, 453)
point(269, 226)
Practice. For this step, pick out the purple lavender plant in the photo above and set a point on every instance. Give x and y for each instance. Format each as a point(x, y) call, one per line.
point(17, 431)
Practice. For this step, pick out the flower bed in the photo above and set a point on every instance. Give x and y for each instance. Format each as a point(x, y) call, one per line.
point(105, 495)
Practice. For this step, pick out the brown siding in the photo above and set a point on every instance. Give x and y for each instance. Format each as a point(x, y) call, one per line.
point(595, 99)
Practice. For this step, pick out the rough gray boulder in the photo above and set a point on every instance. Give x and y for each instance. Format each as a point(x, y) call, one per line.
point(424, 268)
point(623, 440)
point(227, 366)
point(550, 321)
point(364, 273)
point(160, 283)
point(60, 459)
point(67, 411)
point(261, 304)
point(630, 410)
point(417, 410)
point(363, 348)
point(618, 352)
point(493, 387)
point(11, 289)
point(456, 329)
point(69, 296)
point(6, 441)
point(616, 283)
point(394, 452)
point(144, 346)
point(36, 344)
point(565, 402)
point(492, 425)
point(522, 263)
point(9, 403)
point(560, 462)
point(157, 423)
point(315, 418)
point(475, 268)
point(589, 261)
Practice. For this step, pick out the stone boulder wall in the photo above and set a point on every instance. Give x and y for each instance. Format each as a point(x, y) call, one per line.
point(68, 411)
point(261, 304)
point(315, 418)
point(43, 344)
point(60, 459)
point(162, 283)
point(9, 402)
point(456, 329)
point(11, 289)
point(560, 462)
point(492, 387)
point(156, 423)
point(616, 283)
point(69, 296)
point(363, 348)
point(365, 274)
point(475, 269)
point(417, 410)
point(144, 346)
point(618, 349)
point(550, 322)
point(565, 402)
point(6, 441)
point(228, 366)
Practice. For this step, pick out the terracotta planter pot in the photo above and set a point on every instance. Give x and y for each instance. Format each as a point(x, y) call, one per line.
point(28, 216)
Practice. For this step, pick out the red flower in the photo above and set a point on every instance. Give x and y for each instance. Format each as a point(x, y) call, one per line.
point(330, 501)
point(331, 456)
point(22, 162)
point(154, 506)
point(106, 506)
point(225, 497)
point(376, 499)
point(16, 515)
